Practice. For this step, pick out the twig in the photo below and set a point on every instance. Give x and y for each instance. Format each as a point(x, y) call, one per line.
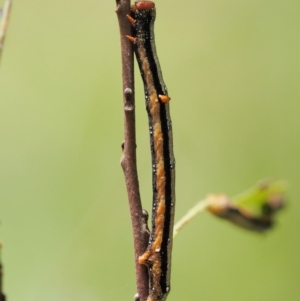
point(128, 160)
point(2, 296)
point(199, 207)
point(4, 22)
point(4, 16)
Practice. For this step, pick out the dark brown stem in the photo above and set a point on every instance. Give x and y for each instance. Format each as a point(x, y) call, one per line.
point(128, 160)
point(2, 296)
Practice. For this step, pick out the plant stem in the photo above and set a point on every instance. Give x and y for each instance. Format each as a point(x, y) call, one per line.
point(199, 207)
point(128, 160)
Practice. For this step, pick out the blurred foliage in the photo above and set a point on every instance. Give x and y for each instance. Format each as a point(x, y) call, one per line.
point(232, 70)
point(254, 209)
point(265, 197)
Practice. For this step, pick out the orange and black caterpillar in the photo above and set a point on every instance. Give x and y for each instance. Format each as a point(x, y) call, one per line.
point(158, 254)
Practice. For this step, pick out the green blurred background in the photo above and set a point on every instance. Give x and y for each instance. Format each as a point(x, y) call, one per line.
point(232, 69)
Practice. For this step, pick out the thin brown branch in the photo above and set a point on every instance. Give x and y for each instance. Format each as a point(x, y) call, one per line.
point(128, 160)
point(4, 16)
point(2, 296)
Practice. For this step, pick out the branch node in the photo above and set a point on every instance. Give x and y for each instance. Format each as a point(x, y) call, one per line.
point(129, 106)
point(117, 9)
point(145, 217)
point(136, 297)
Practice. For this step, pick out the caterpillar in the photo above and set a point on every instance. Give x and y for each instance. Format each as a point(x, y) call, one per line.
point(157, 257)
